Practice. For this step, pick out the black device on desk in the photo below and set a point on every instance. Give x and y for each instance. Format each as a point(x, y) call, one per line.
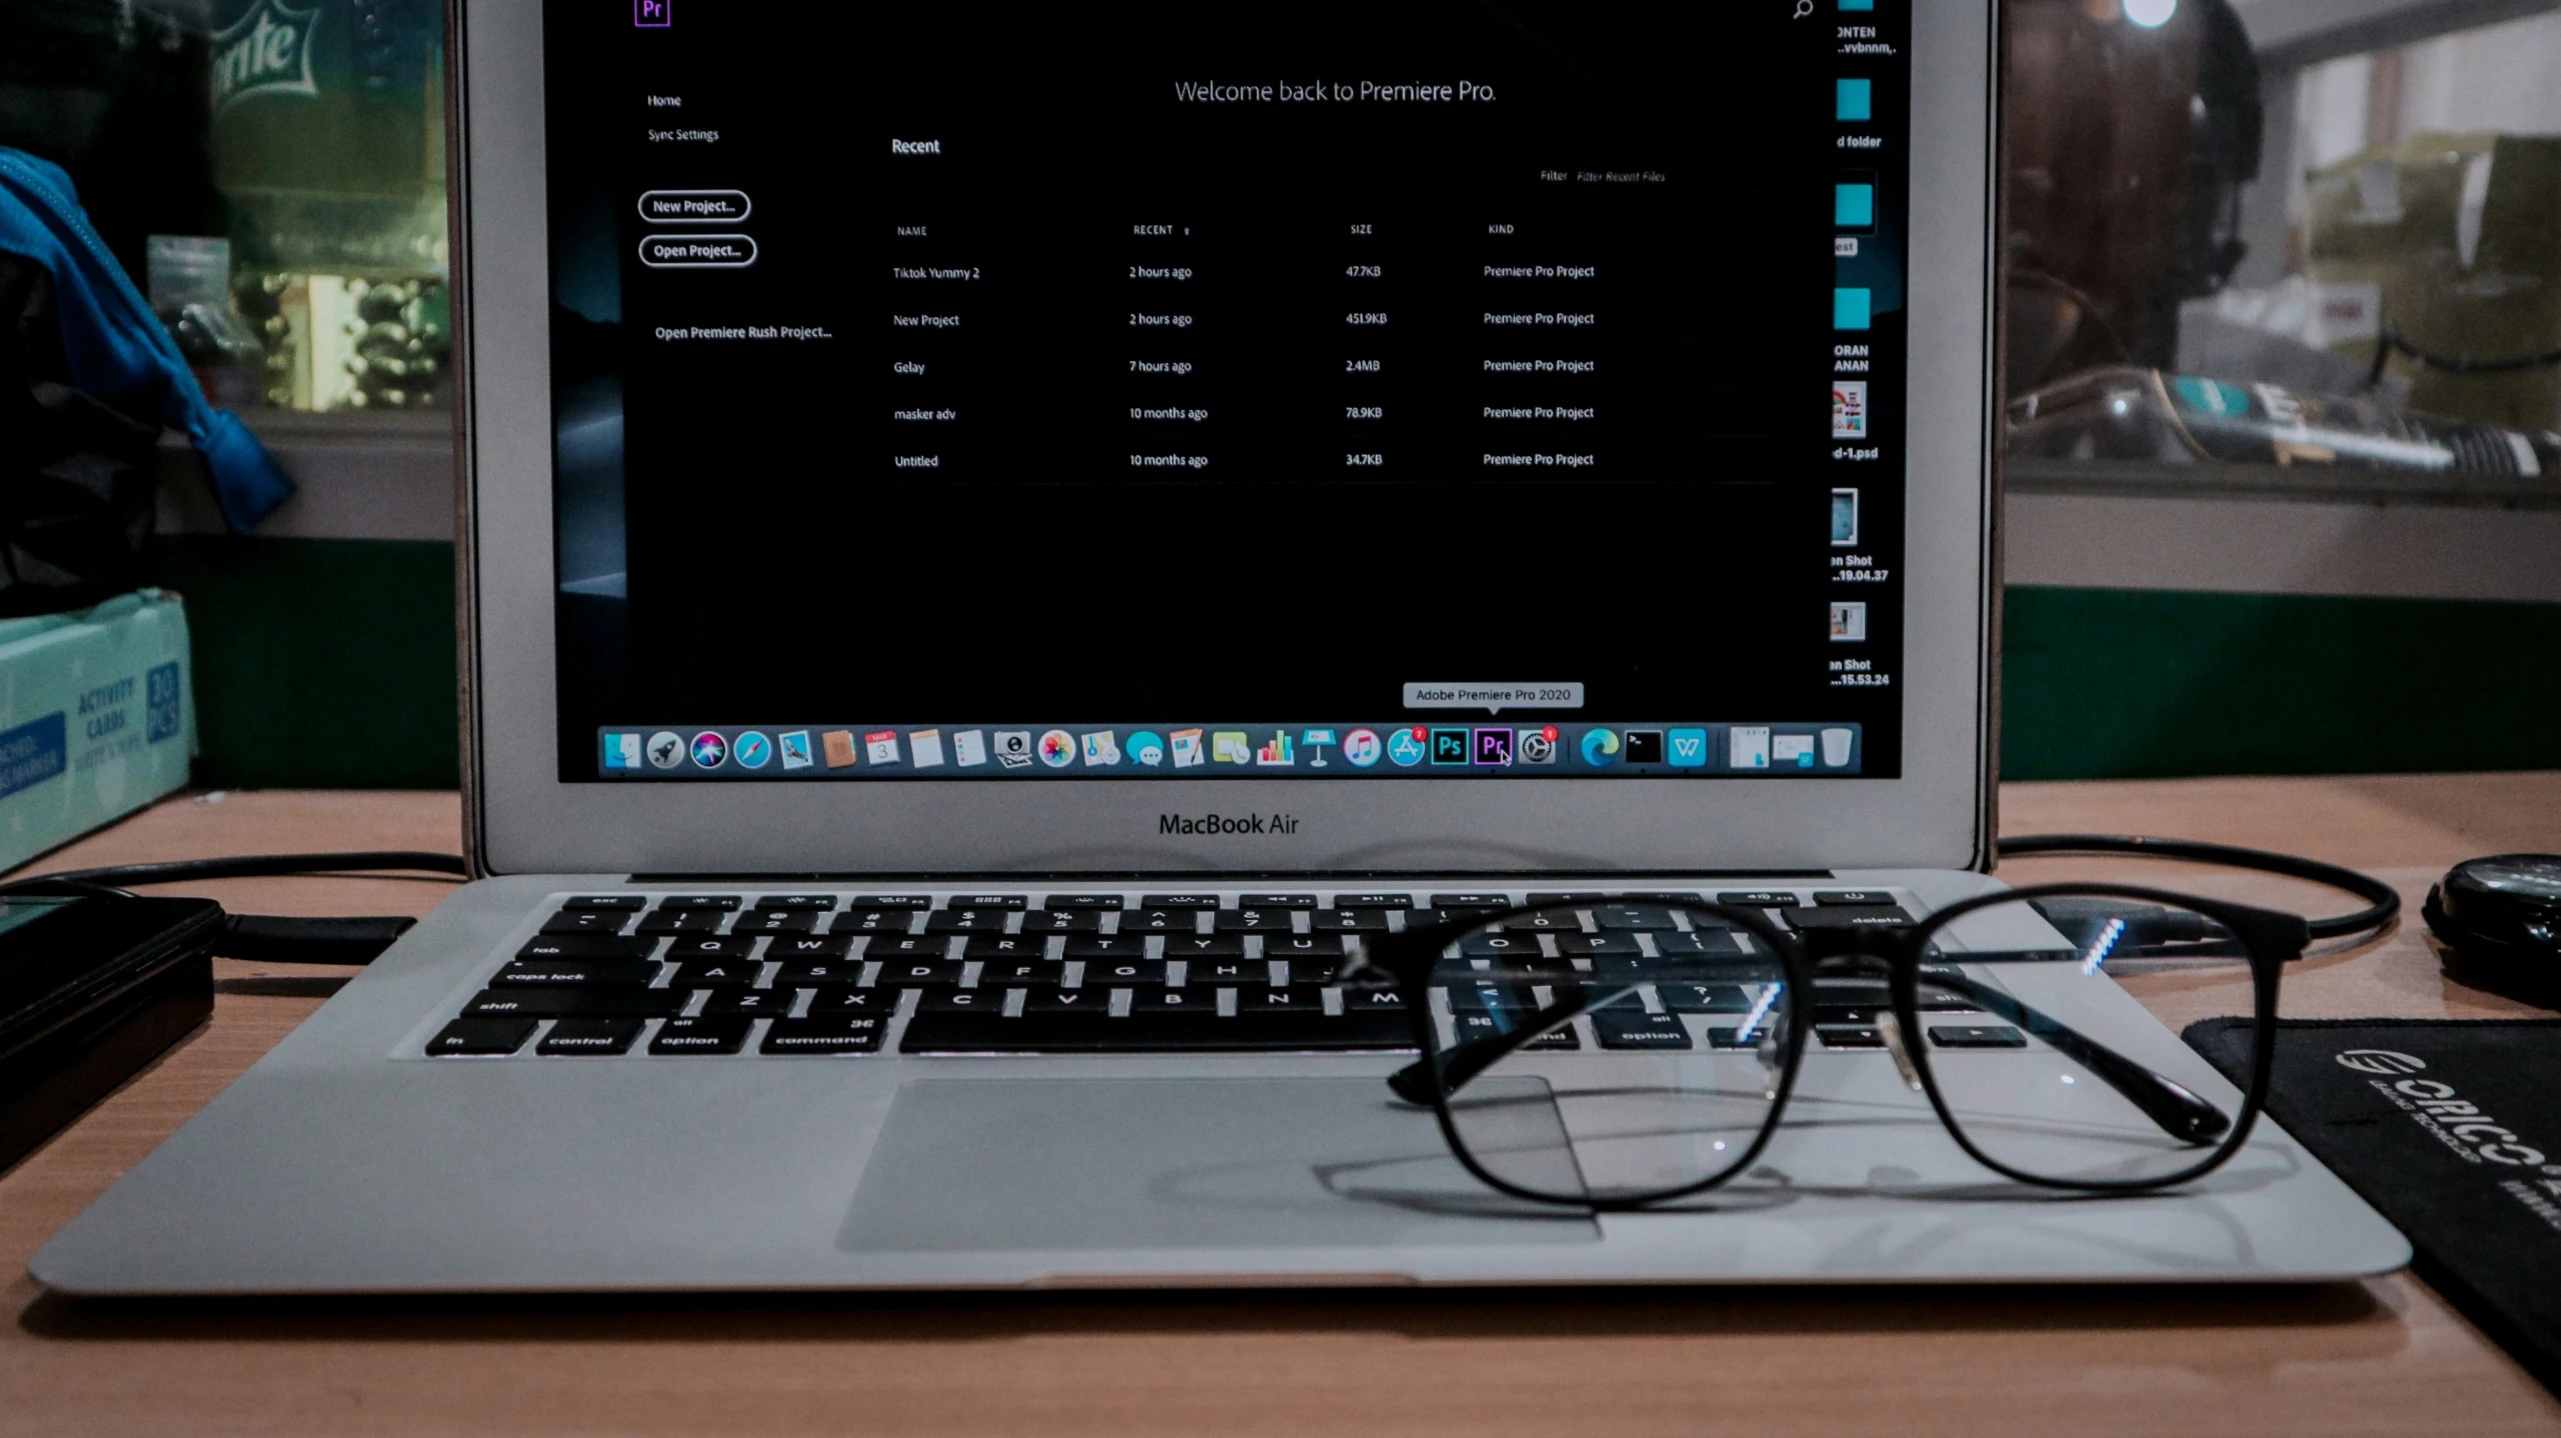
point(91, 990)
point(2500, 920)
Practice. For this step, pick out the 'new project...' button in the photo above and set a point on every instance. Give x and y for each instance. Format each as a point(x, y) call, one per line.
point(698, 252)
point(696, 207)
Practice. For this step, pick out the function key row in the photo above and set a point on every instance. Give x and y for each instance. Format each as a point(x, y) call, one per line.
point(1199, 902)
point(598, 932)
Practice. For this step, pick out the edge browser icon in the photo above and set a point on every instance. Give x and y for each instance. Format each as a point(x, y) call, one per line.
point(1600, 747)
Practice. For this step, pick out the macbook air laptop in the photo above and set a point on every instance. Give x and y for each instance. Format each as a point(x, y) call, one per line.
point(997, 540)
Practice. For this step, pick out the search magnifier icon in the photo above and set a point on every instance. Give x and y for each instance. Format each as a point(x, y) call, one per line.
point(1804, 8)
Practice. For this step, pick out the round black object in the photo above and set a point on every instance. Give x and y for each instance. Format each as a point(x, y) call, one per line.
point(2501, 917)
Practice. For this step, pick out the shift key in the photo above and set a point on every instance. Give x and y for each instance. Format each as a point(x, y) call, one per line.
point(576, 973)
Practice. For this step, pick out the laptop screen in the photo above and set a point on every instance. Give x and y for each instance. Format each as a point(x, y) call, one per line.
point(1351, 391)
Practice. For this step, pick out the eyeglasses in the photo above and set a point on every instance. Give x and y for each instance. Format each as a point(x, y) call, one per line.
point(1613, 1054)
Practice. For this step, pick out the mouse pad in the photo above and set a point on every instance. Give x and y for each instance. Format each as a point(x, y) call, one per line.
point(2452, 1130)
point(975, 1165)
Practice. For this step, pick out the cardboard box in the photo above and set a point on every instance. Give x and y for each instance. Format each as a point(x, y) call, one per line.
point(97, 718)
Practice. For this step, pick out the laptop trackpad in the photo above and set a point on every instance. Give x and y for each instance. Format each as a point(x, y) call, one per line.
point(974, 1164)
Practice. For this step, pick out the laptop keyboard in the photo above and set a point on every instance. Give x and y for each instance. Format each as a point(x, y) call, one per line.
point(836, 974)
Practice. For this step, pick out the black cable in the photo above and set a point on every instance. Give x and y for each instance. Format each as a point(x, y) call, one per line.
point(263, 939)
point(259, 937)
point(2392, 339)
point(2082, 299)
point(254, 866)
point(2383, 902)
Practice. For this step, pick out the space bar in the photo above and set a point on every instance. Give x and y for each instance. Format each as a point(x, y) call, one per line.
point(1085, 1034)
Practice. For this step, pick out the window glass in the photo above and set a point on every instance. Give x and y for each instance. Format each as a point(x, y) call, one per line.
point(272, 173)
point(2334, 234)
point(2251, 249)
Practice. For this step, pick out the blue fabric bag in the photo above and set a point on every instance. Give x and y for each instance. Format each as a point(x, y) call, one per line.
point(117, 348)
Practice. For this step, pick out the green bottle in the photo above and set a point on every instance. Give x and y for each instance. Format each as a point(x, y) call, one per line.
point(328, 144)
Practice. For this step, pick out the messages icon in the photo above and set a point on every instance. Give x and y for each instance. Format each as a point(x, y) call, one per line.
point(1147, 749)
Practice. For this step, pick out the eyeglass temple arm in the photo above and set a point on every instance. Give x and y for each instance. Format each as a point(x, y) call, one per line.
point(1407, 959)
point(1460, 1066)
point(2180, 1114)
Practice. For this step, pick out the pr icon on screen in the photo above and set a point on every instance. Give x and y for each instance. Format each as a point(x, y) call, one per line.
point(652, 14)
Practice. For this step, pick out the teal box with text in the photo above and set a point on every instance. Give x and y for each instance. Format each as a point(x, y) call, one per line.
point(97, 718)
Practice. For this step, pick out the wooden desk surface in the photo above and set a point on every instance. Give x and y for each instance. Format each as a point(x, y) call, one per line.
point(2385, 1357)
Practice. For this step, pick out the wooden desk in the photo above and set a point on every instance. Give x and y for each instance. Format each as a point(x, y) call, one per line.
point(2385, 1357)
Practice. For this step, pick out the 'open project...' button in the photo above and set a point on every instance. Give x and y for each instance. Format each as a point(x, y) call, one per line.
point(695, 207)
point(698, 252)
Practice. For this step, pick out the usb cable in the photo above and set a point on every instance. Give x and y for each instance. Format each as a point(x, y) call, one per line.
point(265, 938)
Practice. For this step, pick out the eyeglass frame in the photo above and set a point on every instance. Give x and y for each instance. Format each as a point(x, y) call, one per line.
point(1411, 960)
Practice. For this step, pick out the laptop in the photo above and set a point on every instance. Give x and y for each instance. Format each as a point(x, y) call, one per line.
point(951, 498)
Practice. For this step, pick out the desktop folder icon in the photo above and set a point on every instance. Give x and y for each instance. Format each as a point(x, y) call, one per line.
point(1854, 205)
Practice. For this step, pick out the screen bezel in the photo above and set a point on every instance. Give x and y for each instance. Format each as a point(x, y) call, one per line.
point(524, 819)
